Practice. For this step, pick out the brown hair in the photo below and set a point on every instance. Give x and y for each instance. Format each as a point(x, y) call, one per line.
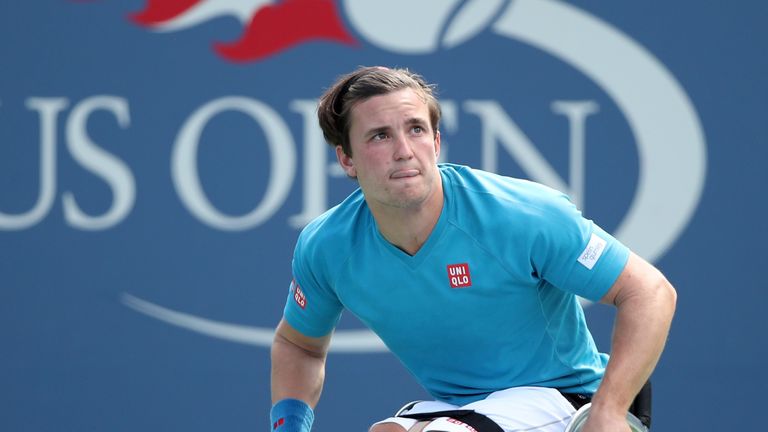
point(335, 105)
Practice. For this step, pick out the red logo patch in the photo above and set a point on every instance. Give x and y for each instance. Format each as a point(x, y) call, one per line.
point(298, 295)
point(458, 275)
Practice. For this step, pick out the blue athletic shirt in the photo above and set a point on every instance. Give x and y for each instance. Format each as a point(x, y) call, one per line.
point(488, 302)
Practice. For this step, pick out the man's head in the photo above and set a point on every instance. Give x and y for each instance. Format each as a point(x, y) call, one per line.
point(383, 125)
point(334, 110)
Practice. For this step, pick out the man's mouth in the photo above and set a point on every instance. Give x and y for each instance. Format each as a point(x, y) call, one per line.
point(404, 173)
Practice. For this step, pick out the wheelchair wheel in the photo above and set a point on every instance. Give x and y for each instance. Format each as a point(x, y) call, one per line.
point(580, 417)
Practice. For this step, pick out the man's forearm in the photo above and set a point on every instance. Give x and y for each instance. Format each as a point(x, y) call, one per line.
point(296, 372)
point(643, 320)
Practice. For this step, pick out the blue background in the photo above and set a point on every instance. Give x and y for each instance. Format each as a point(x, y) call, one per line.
point(73, 356)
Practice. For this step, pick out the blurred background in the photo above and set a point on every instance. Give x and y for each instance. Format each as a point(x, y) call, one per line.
point(158, 159)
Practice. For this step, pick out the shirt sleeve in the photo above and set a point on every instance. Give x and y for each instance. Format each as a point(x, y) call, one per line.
point(573, 253)
point(312, 306)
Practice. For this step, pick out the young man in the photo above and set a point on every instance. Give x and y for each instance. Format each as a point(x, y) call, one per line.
point(470, 278)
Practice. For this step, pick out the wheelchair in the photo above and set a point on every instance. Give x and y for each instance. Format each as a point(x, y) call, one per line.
point(638, 417)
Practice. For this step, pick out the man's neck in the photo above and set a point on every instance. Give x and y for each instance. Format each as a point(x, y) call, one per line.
point(409, 228)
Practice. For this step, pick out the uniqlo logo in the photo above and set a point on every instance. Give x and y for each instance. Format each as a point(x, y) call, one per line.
point(298, 295)
point(458, 275)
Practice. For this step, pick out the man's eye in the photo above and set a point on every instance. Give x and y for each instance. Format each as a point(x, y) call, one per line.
point(380, 136)
point(417, 129)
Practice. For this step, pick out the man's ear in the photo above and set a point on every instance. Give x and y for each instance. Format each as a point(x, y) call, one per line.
point(437, 145)
point(346, 162)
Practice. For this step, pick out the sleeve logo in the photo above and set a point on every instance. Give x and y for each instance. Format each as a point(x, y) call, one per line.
point(298, 295)
point(592, 253)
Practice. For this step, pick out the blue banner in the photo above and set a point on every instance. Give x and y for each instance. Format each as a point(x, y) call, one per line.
point(158, 159)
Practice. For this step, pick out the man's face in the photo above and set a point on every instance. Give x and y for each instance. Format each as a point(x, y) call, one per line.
point(394, 150)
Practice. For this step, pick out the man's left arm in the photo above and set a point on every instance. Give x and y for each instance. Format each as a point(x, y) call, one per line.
point(645, 303)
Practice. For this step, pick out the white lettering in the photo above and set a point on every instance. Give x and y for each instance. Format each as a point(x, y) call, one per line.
point(48, 109)
point(498, 127)
point(497, 130)
point(459, 280)
point(457, 271)
point(576, 112)
point(105, 165)
point(186, 178)
point(316, 166)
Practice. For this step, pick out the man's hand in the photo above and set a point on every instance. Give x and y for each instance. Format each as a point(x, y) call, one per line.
point(605, 422)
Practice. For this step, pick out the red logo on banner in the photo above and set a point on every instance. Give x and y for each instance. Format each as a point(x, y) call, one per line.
point(270, 26)
point(298, 295)
point(458, 275)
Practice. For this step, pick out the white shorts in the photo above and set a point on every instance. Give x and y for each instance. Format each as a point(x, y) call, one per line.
point(515, 410)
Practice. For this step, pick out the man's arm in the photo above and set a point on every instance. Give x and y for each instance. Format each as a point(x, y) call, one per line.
point(298, 372)
point(645, 303)
point(298, 365)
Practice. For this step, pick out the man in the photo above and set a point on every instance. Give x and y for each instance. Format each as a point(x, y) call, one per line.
point(470, 278)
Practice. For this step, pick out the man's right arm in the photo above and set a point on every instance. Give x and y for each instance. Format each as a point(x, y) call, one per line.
point(298, 365)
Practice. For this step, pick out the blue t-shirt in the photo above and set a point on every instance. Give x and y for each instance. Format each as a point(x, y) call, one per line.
point(488, 302)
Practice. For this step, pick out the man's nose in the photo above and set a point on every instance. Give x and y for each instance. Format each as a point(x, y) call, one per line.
point(403, 149)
